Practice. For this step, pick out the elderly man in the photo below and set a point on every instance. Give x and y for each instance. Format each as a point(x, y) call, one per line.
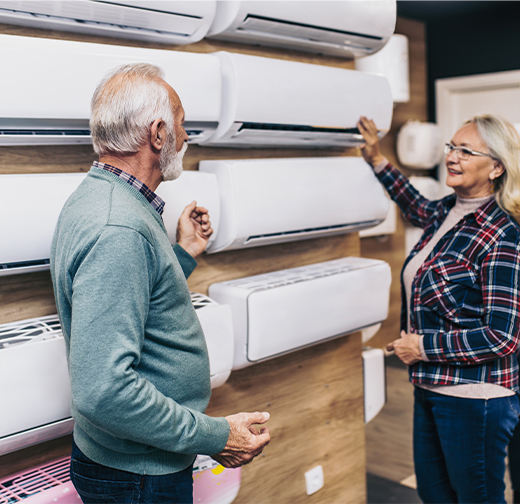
point(137, 356)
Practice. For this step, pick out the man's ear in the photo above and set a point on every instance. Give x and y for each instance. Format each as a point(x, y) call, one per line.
point(158, 134)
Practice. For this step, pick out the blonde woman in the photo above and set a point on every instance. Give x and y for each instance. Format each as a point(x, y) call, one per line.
point(460, 316)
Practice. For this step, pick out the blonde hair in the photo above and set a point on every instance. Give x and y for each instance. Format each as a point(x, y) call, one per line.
point(503, 142)
point(126, 102)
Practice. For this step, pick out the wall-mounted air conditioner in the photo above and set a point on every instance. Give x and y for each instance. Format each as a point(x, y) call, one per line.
point(266, 201)
point(27, 232)
point(344, 28)
point(392, 62)
point(374, 381)
point(163, 21)
point(217, 324)
point(269, 102)
point(279, 312)
point(35, 393)
point(177, 194)
point(51, 83)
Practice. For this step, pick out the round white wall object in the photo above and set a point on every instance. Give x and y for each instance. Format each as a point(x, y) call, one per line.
point(392, 62)
point(420, 145)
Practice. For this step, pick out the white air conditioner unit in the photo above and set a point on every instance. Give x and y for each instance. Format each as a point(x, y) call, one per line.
point(374, 381)
point(266, 201)
point(163, 21)
point(392, 62)
point(51, 83)
point(35, 393)
point(344, 28)
point(269, 102)
point(279, 312)
point(27, 230)
point(177, 194)
point(217, 324)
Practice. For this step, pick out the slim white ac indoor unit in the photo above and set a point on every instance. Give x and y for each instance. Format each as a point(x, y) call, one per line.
point(347, 28)
point(266, 201)
point(27, 230)
point(51, 82)
point(276, 313)
point(374, 381)
point(163, 21)
point(217, 324)
point(269, 102)
point(35, 393)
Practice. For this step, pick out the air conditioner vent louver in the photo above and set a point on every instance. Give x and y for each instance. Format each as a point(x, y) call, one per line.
point(297, 127)
point(200, 300)
point(324, 229)
point(302, 274)
point(24, 267)
point(31, 330)
point(94, 24)
point(296, 30)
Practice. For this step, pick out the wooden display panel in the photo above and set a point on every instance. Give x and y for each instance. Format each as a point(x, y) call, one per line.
point(315, 395)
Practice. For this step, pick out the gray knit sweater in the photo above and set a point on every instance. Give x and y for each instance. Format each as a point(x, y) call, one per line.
point(137, 356)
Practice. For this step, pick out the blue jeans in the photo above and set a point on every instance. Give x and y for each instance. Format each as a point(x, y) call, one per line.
point(97, 484)
point(460, 446)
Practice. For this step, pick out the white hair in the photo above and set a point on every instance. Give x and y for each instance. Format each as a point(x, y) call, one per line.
point(125, 104)
point(503, 143)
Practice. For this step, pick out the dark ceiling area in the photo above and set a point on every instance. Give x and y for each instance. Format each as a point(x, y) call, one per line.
point(439, 10)
point(466, 38)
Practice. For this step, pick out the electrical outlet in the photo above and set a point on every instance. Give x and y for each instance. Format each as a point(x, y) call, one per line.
point(314, 479)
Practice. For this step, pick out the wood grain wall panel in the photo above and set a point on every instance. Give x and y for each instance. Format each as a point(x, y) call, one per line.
point(315, 399)
point(315, 394)
point(391, 248)
point(26, 296)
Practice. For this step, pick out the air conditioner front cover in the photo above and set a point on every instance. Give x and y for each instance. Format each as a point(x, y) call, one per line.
point(217, 324)
point(163, 21)
point(345, 28)
point(51, 83)
point(34, 375)
point(283, 311)
point(27, 230)
point(190, 186)
point(265, 201)
point(270, 102)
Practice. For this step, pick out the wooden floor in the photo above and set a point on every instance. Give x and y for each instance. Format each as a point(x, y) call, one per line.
point(389, 434)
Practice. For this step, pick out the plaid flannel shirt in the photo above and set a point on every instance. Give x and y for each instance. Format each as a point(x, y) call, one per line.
point(465, 298)
point(152, 198)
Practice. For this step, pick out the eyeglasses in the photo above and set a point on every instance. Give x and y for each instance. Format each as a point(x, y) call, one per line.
point(463, 153)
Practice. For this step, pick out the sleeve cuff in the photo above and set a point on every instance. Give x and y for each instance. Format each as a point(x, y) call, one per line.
point(381, 166)
point(421, 348)
point(217, 438)
point(187, 262)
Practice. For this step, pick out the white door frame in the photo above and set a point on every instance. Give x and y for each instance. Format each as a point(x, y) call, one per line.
point(446, 91)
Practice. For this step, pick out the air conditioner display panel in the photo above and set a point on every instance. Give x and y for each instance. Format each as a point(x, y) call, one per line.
point(286, 313)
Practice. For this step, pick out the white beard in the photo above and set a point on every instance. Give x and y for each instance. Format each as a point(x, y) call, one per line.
point(171, 161)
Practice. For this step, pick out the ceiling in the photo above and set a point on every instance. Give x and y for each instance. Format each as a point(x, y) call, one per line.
point(429, 11)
